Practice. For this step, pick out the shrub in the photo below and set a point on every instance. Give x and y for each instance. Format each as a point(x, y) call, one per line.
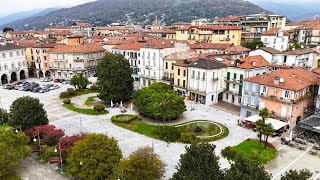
point(188, 138)
point(228, 152)
point(71, 91)
point(67, 101)
point(5, 115)
point(64, 94)
point(124, 118)
point(94, 87)
point(99, 107)
point(169, 133)
point(68, 142)
point(49, 135)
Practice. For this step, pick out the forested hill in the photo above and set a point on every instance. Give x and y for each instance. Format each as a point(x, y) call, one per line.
point(103, 12)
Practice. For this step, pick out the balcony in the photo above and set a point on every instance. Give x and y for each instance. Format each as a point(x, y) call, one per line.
point(197, 90)
point(234, 81)
point(215, 79)
point(286, 101)
point(280, 117)
point(167, 79)
point(147, 76)
point(232, 92)
point(78, 60)
point(148, 67)
point(14, 70)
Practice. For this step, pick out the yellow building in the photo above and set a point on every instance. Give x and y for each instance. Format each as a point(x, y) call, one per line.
point(170, 60)
point(208, 33)
point(73, 40)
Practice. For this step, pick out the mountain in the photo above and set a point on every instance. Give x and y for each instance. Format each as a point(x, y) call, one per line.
point(26, 14)
point(296, 11)
point(103, 12)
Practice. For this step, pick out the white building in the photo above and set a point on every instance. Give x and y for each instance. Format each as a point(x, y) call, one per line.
point(272, 55)
point(67, 60)
point(275, 38)
point(13, 63)
point(150, 65)
point(206, 81)
point(238, 70)
point(83, 29)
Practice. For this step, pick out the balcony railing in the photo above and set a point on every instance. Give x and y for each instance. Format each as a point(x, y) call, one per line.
point(148, 67)
point(251, 107)
point(234, 81)
point(284, 100)
point(167, 79)
point(197, 90)
point(214, 79)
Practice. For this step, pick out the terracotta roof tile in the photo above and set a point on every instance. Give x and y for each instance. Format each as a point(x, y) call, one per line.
point(271, 50)
point(87, 48)
point(250, 62)
point(299, 51)
point(293, 79)
point(238, 49)
point(210, 46)
point(273, 32)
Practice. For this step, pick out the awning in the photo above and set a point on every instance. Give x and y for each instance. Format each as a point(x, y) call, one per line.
point(135, 75)
point(311, 123)
point(276, 124)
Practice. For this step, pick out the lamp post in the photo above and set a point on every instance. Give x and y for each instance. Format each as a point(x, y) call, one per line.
point(56, 150)
point(17, 129)
point(34, 139)
point(119, 175)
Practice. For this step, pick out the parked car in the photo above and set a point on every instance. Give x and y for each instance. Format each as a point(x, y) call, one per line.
point(44, 80)
point(27, 88)
point(36, 89)
point(65, 82)
point(56, 80)
point(8, 86)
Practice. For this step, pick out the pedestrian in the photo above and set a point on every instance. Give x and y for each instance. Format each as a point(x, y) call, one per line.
point(167, 143)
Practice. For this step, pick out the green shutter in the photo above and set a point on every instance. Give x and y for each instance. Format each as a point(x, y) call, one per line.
point(240, 90)
point(228, 76)
point(235, 76)
point(227, 86)
point(241, 78)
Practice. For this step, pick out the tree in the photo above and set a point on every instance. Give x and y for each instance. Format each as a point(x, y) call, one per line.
point(27, 112)
point(141, 164)
point(199, 162)
point(264, 114)
point(4, 116)
point(242, 168)
point(159, 101)
point(48, 133)
point(253, 44)
point(13, 147)
point(114, 78)
point(267, 130)
point(98, 154)
point(294, 46)
point(79, 81)
point(7, 29)
point(296, 175)
point(67, 142)
point(259, 125)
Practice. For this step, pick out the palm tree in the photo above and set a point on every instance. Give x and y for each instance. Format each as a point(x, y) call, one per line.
point(259, 125)
point(264, 114)
point(267, 131)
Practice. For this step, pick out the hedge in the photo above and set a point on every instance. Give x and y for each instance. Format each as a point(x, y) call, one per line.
point(124, 118)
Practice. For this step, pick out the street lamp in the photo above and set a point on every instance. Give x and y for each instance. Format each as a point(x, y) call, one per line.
point(80, 163)
point(119, 175)
point(17, 129)
point(34, 139)
point(56, 150)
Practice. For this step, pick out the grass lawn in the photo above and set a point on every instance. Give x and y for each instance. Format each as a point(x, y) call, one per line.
point(3, 126)
point(84, 111)
point(89, 101)
point(149, 130)
point(82, 92)
point(253, 150)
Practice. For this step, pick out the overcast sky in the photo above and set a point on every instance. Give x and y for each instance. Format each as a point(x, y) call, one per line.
point(11, 6)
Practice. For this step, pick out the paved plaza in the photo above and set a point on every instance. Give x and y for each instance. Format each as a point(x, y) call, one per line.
point(69, 121)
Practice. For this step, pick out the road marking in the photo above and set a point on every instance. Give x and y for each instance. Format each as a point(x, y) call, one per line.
point(281, 147)
point(294, 161)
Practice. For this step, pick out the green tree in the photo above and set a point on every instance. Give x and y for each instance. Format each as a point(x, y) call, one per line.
point(114, 78)
point(159, 101)
point(7, 29)
point(27, 112)
point(79, 81)
point(94, 157)
point(13, 147)
point(141, 164)
point(259, 125)
point(296, 175)
point(294, 46)
point(199, 162)
point(4, 116)
point(267, 130)
point(242, 168)
point(253, 44)
point(264, 114)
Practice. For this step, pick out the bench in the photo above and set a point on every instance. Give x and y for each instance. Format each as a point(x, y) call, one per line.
point(55, 160)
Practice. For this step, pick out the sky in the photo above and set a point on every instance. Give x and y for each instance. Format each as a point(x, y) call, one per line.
point(12, 6)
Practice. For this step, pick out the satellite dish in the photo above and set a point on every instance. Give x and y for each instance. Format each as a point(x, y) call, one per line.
point(281, 80)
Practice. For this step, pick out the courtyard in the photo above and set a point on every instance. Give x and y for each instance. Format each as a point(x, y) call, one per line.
point(72, 123)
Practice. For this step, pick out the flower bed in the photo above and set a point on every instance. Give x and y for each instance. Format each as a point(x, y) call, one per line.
point(124, 118)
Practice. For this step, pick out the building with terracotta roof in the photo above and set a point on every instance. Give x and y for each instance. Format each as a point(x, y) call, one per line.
point(82, 29)
point(206, 81)
point(238, 70)
point(275, 38)
point(13, 63)
point(67, 60)
point(210, 47)
point(151, 63)
point(286, 93)
point(210, 33)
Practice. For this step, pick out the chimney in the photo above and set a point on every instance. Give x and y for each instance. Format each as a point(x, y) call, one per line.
point(293, 75)
point(254, 63)
point(276, 81)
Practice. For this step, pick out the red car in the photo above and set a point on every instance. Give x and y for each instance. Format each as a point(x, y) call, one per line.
point(56, 80)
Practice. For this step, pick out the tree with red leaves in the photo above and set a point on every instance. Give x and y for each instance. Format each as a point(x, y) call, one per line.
point(49, 135)
point(68, 141)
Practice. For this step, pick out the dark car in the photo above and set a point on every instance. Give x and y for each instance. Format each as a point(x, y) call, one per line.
point(36, 89)
point(57, 80)
point(27, 88)
point(8, 86)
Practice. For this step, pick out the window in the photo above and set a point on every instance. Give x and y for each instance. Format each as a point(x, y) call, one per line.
point(45, 57)
point(245, 99)
point(265, 40)
point(213, 74)
point(227, 96)
point(10, 54)
point(282, 39)
point(235, 76)
point(282, 47)
point(233, 86)
point(178, 82)
point(18, 53)
point(233, 36)
point(264, 89)
point(184, 83)
point(166, 65)
point(253, 100)
point(212, 97)
point(246, 86)
point(184, 73)
point(286, 94)
point(239, 100)
point(204, 76)
point(178, 72)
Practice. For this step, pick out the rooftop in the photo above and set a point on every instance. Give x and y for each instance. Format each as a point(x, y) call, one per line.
point(203, 63)
point(9, 46)
point(87, 48)
point(250, 62)
point(273, 32)
point(271, 50)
